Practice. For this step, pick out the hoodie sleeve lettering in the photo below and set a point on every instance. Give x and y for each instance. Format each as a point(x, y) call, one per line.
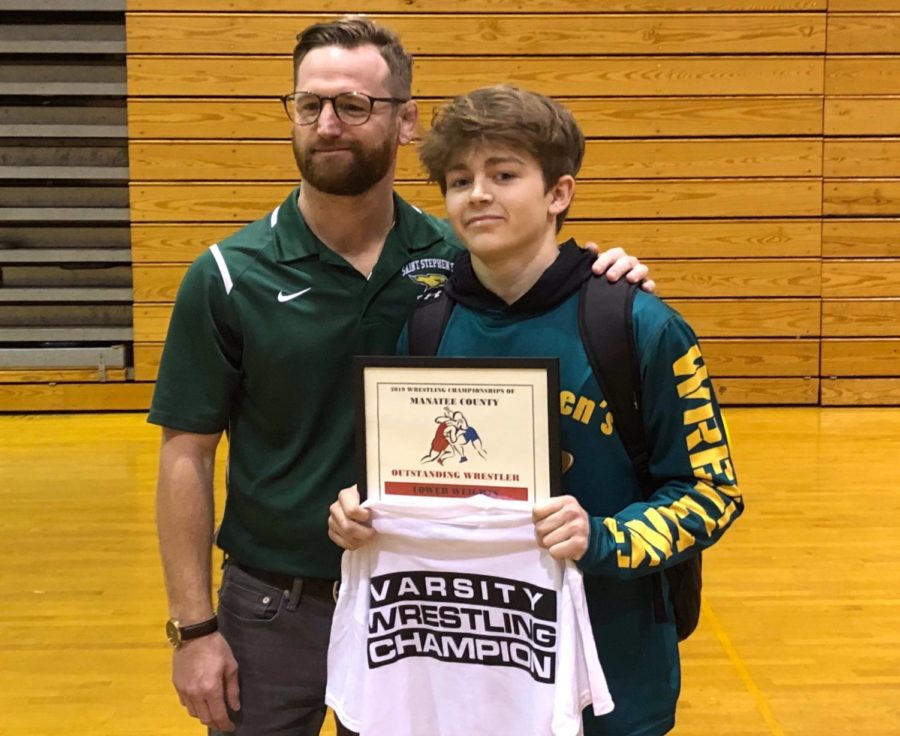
point(697, 498)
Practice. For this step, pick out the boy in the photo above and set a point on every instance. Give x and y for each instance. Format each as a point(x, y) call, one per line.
point(505, 160)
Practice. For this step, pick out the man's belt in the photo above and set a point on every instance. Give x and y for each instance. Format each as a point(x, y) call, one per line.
point(315, 587)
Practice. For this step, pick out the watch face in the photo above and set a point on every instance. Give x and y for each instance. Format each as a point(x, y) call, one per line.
point(173, 633)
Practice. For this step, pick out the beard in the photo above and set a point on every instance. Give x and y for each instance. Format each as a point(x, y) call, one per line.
point(352, 176)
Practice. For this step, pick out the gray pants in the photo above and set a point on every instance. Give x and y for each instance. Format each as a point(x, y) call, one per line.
point(280, 641)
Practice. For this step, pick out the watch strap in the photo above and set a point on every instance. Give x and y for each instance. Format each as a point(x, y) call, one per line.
point(195, 631)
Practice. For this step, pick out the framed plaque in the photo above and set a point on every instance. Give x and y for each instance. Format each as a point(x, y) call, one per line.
point(456, 427)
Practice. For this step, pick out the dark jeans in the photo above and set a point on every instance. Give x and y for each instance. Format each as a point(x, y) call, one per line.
point(280, 641)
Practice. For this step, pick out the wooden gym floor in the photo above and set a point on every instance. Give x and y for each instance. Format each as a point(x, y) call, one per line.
point(800, 632)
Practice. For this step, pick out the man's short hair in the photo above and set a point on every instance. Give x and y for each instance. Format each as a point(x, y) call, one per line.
point(507, 116)
point(353, 31)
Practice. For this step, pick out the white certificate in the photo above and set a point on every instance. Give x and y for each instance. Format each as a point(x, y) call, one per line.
point(456, 427)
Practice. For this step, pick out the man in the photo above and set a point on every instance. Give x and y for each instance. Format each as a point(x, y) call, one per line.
point(505, 160)
point(259, 345)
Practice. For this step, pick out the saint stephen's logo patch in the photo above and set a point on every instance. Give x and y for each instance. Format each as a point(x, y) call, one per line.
point(428, 272)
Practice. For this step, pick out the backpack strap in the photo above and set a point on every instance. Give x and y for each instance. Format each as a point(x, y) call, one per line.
point(428, 320)
point(607, 333)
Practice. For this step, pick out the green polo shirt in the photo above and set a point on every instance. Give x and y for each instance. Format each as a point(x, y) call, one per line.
point(260, 344)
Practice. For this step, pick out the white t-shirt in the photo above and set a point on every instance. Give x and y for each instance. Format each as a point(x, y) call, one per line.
point(452, 621)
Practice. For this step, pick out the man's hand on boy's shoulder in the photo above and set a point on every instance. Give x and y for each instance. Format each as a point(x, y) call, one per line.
point(348, 522)
point(616, 263)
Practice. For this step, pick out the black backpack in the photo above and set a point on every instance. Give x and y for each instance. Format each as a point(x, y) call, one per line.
point(604, 321)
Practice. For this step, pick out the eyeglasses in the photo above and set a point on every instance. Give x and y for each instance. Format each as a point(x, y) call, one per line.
point(352, 108)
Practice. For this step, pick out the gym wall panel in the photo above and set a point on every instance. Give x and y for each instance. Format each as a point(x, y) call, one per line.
point(617, 159)
point(499, 34)
point(746, 149)
point(873, 115)
point(861, 204)
point(857, 75)
point(860, 391)
point(711, 238)
point(243, 201)
point(249, 76)
point(606, 117)
point(871, 238)
point(482, 6)
point(868, 33)
point(861, 317)
point(158, 282)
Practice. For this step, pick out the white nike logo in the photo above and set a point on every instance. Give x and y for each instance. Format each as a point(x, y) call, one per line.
point(282, 297)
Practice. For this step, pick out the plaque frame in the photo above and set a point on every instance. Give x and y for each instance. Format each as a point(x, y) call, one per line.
point(512, 404)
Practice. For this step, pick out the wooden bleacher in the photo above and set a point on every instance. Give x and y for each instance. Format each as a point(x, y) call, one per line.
point(748, 150)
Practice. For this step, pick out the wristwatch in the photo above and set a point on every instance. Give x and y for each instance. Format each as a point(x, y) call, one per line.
point(178, 634)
